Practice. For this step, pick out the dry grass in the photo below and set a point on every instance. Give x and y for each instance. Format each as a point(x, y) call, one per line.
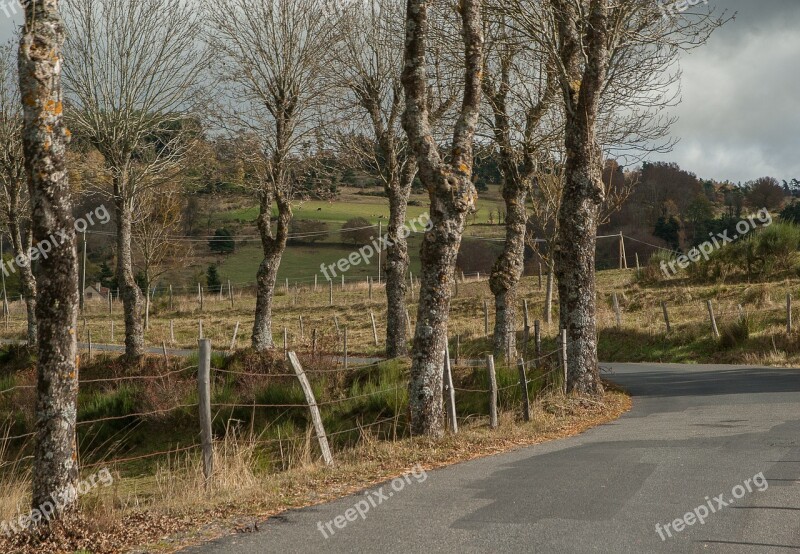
point(174, 502)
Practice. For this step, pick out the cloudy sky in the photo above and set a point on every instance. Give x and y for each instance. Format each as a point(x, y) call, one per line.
point(740, 115)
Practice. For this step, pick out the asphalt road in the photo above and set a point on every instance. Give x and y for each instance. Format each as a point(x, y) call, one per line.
point(694, 432)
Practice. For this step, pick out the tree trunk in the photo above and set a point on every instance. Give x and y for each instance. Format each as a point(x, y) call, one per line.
point(507, 272)
point(575, 259)
point(273, 247)
point(439, 252)
point(45, 137)
point(26, 278)
point(397, 262)
point(583, 50)
point(132, 300)
point(452, 197)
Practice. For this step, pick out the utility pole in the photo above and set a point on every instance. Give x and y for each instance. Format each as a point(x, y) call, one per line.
point(380, 249)
point(83, 278)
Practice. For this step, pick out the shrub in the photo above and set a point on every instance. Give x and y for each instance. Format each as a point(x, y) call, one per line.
point(359, 231)
point(777, 246)
point(308, 231)
point(223, 242)
point(735, 334)
point(652, 272)
point(212, 279)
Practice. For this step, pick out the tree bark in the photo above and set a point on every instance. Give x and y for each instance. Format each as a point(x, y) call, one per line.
point(273, 247)
point(507, 272)
point(452, 197)
point(582, 81)
point(132, 300)
point(45, 138)
point(397, 262)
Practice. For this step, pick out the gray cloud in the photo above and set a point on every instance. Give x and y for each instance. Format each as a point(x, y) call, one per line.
point(739, 118)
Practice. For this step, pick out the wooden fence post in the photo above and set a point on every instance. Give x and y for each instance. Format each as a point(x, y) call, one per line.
point(523, 383)
point(540, 275)
point(164, 351)
point(537, 342)
point(230, 292)
point(374, 327)
point(314, 342)
point(204, 399)
point(112, 331)
point(201, 337)
point(666, 317)
point(616, 310)
point(171, 331)
point(638, 267)
point(302, 329)
point(564, 358)
point(313, 408)
point(714, 328)
point(200, 289)
point(345, 346)
point(623, 260)
point(526, 330)
point(451, 392)
point(492, 392)
point(233, 340)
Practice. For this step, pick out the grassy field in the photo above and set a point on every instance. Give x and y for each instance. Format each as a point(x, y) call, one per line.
point(759, 338)
point(302, 261)
point(349, 205)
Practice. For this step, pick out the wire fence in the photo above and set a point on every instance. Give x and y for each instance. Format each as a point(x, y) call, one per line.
point(222, 409)
point(551, 367)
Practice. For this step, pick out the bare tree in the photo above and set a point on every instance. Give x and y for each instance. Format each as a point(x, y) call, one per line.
point(158, 220)
point(14, 198)
point(134, 75)
point(44, 139)
point(602, 53)
point(520, 94)
point(271, 62)
point(448, 180)
point(367, 69)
